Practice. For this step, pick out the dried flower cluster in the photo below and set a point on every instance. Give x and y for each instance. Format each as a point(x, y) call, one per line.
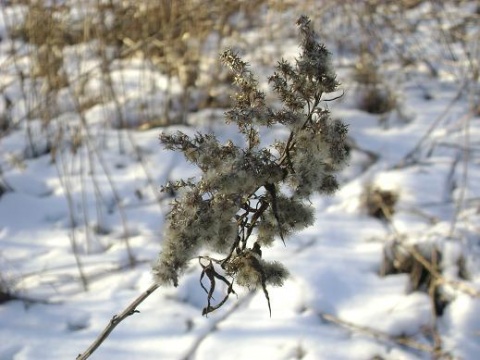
point(249, 195)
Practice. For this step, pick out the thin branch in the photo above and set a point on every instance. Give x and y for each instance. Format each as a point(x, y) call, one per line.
point(410, 157)
point(335, 97)
point(117, 319)
point(65, 182)
point(379, 335)
point(464, 179)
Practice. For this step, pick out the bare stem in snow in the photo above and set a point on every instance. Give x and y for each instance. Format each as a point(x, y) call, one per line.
point(117, 319)
point(379, 335)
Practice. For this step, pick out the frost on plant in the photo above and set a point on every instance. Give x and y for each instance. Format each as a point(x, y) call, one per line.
point(250, 196)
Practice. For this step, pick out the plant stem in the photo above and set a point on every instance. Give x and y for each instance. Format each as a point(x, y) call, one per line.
point(117, 319)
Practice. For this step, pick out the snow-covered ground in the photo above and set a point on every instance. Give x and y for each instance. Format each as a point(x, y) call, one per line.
point(78, 235)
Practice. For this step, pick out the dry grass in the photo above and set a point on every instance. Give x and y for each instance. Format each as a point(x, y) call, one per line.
point(379, 203)
point(143, 63)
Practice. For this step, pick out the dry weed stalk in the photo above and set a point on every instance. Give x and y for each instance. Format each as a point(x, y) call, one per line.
point(380, 335)
point(238, 205)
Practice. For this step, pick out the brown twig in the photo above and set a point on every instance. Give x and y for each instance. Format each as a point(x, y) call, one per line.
point(400, 340)
point(410, 157)
point(439, 278)
point(117, 319)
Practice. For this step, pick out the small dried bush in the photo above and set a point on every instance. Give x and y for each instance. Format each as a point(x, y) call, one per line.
point(398, 259)
point(249, 195)
point(365, 71)
point(372, 94)
point(376, 100)
point(5, 295)
point(3, 188)
point(5, 292)
point(371, 91)
point(43, 27)
point(379, 203)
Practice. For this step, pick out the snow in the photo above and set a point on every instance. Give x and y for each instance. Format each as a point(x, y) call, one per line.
point(98, 206)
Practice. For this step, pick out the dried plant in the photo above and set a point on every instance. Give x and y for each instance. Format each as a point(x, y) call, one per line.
point(417, 262)
point(378, 202)
point(249, 195)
